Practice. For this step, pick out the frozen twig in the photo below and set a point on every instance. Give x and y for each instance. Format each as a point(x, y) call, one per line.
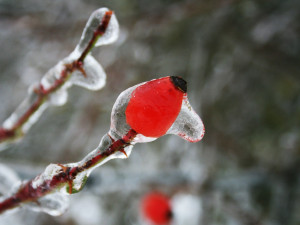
point(141, 113)
point(78, 68)
point(68, 178)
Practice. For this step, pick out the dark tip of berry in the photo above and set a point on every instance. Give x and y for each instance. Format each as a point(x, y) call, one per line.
point(169, 215)
point(179, 83)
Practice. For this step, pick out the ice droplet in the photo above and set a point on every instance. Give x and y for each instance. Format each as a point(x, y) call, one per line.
point(59, 97)
point(188, 124)
point(110, 35)
point(95, 76)
point(53, 204)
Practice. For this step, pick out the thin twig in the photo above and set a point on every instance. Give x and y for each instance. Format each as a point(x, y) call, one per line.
point(29, 193)
point(43, 94)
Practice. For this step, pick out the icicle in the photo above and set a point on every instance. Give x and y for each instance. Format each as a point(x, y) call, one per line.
point(188, 124)
point(110, 35)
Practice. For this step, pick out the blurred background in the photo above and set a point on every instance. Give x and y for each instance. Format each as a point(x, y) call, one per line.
point(241, 62)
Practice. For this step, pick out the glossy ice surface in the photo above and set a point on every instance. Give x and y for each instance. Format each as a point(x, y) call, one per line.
point(153, 107)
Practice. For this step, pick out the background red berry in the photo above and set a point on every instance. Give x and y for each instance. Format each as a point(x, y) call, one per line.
point(156, 208)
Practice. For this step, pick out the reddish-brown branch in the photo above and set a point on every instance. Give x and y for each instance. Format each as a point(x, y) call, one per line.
point(6, 134)
point(27, 193)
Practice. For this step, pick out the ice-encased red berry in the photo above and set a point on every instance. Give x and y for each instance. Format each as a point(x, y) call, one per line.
point(153, 107)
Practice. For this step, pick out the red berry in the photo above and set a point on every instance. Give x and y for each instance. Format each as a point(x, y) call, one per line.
point(154, 106)
point(156, 208)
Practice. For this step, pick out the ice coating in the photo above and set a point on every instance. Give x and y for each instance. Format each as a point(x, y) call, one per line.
point(93, 79)
point(54, 204)
point(95, 76)
point(59, 97)
point(50, 171)
point(53, 74)
point(153, 107)
point(70, 178)
point(79, 68)
point(32, 97)
point(118, 124)
point(111, 34)
point(188, 124)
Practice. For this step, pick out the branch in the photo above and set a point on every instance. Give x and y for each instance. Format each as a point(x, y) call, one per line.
point(40, 94)
point(62, 177)
point(138, 115)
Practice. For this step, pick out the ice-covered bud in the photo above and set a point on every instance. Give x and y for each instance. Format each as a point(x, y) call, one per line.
point(96, 19)
point(156, 108)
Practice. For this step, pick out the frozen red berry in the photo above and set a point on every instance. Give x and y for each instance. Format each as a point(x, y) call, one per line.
point(156, 208)
point(155, 105)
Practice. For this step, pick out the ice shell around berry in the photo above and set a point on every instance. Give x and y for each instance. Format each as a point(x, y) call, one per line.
point(187, 125)
point(153, 107)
